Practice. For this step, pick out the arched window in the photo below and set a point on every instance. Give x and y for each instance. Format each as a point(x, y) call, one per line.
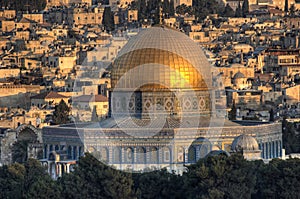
point(166, 155)
point(116, 155)
point(141, 155)
point(69, 152)
point(129, 155)
point(192, 154)
point(180, 154)
point(154, 155)
point(74, 152)
point(104, 154)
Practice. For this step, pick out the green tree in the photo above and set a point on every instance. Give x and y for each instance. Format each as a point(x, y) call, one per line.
point(245, 7)
point(166, 7)
point(142, 10)
point(93, 179)
point(238, 11)
point(271, 112)
point(28, 5)
point(278, 178)
point(172, 10)
point(221, 177)
point(37, 182)
point(19, 151)
point(61, 113)
point(94, 115)
point(292, 10)
point(12, 181)
point(286, 6)
point(108, 19)
point(202, 8)
point(183, 9)
point(28, 180)
point(290, 139)
point(228, 11)
point(232, 112)
point(158, 184)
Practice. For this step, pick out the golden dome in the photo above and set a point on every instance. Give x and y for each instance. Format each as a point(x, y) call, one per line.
point(160, 58)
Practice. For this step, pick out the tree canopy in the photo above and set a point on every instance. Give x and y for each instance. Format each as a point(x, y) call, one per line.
point(61, 113)
point(108, 19)
point(93, 179)
point(26, 5)
point(211, 177)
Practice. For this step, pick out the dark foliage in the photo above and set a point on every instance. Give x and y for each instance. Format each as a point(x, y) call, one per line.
point(61, 113)
point(212, 177)
point(93, 179)
point(290, 138)
point(245, 8)
point(108, 19)
point(24, 5)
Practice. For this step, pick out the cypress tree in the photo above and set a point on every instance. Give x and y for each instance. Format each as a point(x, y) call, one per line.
point(166, 7)
point(142, 9)
point(286, 6)
point(61, 113)
point(172, 10)
point(94, 115)
point(271, 115)
point(228, 11)
point(108, 19)
point(245, 7)
point(238, 11)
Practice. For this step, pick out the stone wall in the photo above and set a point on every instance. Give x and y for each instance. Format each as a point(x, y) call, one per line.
point(13, 96)
point(7, 139)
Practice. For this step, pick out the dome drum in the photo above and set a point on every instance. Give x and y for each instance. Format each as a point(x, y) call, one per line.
point(144, 103)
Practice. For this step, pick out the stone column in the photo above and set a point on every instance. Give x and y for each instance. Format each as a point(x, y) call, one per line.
point(110, 154)
point(59, 169)
point(148, 154)
point(186, 154)
point(48, 168)
point(134, 157)
point(122, 156)
point(68, 168)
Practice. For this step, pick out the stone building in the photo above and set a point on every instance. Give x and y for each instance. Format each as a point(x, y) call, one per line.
point(246, 145)
point(162, 111)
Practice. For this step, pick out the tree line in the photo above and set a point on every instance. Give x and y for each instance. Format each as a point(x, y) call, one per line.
point(201, 9)
point(23, 5)
point(212, 177)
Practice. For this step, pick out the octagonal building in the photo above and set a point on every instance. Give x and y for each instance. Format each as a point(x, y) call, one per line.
point(162, 111)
